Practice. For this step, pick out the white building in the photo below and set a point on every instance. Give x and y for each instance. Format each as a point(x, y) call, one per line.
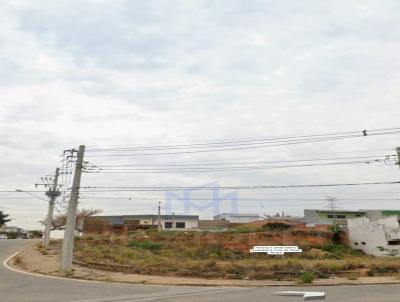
point(237, 218)
point(376, 238)
point(166, 221)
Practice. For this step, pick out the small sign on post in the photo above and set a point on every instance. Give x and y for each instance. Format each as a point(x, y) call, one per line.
point(275, 250)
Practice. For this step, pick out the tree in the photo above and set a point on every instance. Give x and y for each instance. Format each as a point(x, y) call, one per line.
point(59, 221)
point(276, 215)
point(3, 218)
point(337, 231)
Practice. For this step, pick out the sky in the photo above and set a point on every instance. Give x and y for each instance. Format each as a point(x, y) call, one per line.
point(157, 72)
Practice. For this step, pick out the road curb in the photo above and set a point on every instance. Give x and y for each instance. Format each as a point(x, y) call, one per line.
point(6, 264)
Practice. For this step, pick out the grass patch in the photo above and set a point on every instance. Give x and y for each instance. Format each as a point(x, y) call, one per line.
point(276, 226)
point(244, 230)
point(352, 276)
point(69, 274)
point(146, 245)
point(225, 256)
point(307, 278)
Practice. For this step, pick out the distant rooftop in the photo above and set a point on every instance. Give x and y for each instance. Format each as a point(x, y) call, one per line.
point(239, 214)
point(150, 216)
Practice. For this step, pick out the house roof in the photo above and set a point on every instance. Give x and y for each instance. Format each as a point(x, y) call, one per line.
point(238, 214)
point(118, 219)
point(336, 210)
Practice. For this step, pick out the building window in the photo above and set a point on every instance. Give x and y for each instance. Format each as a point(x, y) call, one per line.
point(168, 225)
point(336, 216)
point(128, 221)
point(394, 242)
point(355, 243)
point(363, 243)
point(180, 225)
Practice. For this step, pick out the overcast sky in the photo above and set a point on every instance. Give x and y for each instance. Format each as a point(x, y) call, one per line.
point(108, 73)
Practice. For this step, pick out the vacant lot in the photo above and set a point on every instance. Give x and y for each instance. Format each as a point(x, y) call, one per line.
point(226, 255)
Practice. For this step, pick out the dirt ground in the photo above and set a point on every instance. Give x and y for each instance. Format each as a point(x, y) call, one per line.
point(47, 262)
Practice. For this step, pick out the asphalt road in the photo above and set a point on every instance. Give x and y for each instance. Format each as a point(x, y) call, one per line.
point(18, 287)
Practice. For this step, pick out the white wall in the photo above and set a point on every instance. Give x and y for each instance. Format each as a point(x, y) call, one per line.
point(189, 223)
point(237, 218)
point(368, 236)
point(57, 234)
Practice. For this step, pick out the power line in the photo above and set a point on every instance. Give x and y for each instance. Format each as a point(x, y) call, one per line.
point(13, 191)
point(243, 147)
point(173, 188)
point(239, 141)
point(20, 209)
point(371, 157)
point(16, 198)
point(196, 170)
point(204, 195)
point(322, 199)
point(248, 160)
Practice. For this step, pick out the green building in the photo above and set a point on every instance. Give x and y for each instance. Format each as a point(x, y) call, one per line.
point(314, 216)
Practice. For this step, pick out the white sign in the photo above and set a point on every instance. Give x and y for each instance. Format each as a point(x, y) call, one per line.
point(275, 250)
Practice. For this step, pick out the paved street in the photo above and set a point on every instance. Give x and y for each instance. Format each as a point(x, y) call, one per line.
point(18, 287)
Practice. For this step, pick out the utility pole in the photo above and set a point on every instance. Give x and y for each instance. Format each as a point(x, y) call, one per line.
point(398, 156)
point(332, 206)
point(68, 242)
point(159, 216)
point(52, 193)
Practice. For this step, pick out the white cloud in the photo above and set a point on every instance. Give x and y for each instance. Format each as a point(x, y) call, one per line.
point(154, 72)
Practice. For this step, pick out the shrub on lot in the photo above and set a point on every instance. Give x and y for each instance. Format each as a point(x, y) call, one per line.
point(235, 270)
point(276, 226)
point(337, 251)
point(307, 277)
point(244, 230)
point(352, 276)
point(146, 245)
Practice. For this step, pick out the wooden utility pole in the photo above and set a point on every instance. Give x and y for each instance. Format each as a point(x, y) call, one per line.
point(52, 193)
point(398, 156)
point(68, 243)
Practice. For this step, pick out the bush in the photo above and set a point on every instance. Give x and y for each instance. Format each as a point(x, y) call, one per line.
point(337, 250)
point(352, 276)
point(244, 229)
point(276, 226)
point(264, 276)
point(307, 277)
point(146, 245)
point(336, 232)
point(235, 270)
point(371, 273)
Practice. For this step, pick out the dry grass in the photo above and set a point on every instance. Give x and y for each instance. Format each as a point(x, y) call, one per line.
point(210, 259)
point(18, 260)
